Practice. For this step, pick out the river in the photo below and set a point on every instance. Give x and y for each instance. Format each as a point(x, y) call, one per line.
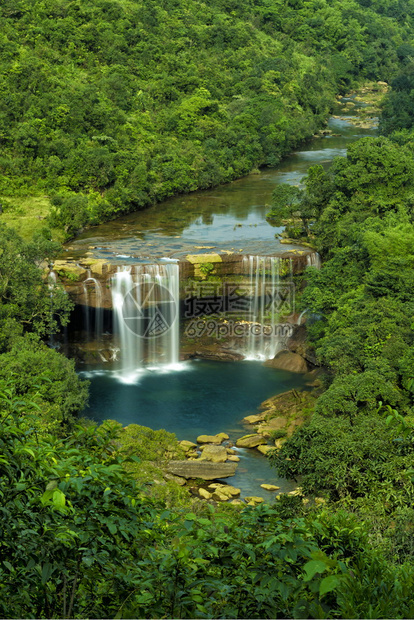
point(228, 218)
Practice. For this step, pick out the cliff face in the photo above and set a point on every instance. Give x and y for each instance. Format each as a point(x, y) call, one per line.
point(80, 278)
point(229, 307)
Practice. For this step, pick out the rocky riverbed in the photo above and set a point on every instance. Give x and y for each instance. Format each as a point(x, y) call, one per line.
point(212, 458)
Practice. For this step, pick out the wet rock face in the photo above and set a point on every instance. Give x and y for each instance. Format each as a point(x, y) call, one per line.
point(73, 274)
point(90, 284)
point(286, 360)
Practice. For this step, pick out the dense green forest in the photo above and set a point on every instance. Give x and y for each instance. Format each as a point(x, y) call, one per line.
point(108, 106)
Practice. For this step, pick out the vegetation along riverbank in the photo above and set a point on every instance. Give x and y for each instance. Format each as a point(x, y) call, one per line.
point(107, 107)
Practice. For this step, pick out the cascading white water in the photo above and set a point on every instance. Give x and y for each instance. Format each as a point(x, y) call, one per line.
point(145, 301)
point(313, 260)
point(98, 313)
point(269, 299)
point(52, 282)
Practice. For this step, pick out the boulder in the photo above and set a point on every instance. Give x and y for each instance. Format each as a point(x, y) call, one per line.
point(253, 500)
point(265, 449)
point(176, 479)
point(297, 492)
point(187, 445)
point(233, 458)
point(297, 341)
point(286, 360)
point(270, 487)
point(255, 418)
point(225, 489)
point(191, 454)
point(204, 494)
point(214, 454)
point(217, 439)
point(250, 441)
point(201, 469)
point(220, 497)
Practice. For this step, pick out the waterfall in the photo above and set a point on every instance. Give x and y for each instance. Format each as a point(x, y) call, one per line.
point(52, 282)
point(270, 297)
point(145, 301)
point(98, 314)
point(86, 321)
point(313, 260)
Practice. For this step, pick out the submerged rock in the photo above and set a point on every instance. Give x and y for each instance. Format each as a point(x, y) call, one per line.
point(202, 469)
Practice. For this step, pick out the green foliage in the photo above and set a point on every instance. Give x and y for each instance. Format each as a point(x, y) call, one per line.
point(206, 268)
point(80, 540)
point(349, 461)
point(31, 363)
point(360, 310)
point(154, 449)
point(110, 107)
point(26, 297)
point(277, 434)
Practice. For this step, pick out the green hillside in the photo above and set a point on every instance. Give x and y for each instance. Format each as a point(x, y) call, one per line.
point(109, 106)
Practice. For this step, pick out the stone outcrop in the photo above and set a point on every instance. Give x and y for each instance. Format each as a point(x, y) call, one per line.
point(201, 469)
point(73, 272)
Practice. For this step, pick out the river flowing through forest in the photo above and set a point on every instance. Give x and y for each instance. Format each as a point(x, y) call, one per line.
point(198, 397)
